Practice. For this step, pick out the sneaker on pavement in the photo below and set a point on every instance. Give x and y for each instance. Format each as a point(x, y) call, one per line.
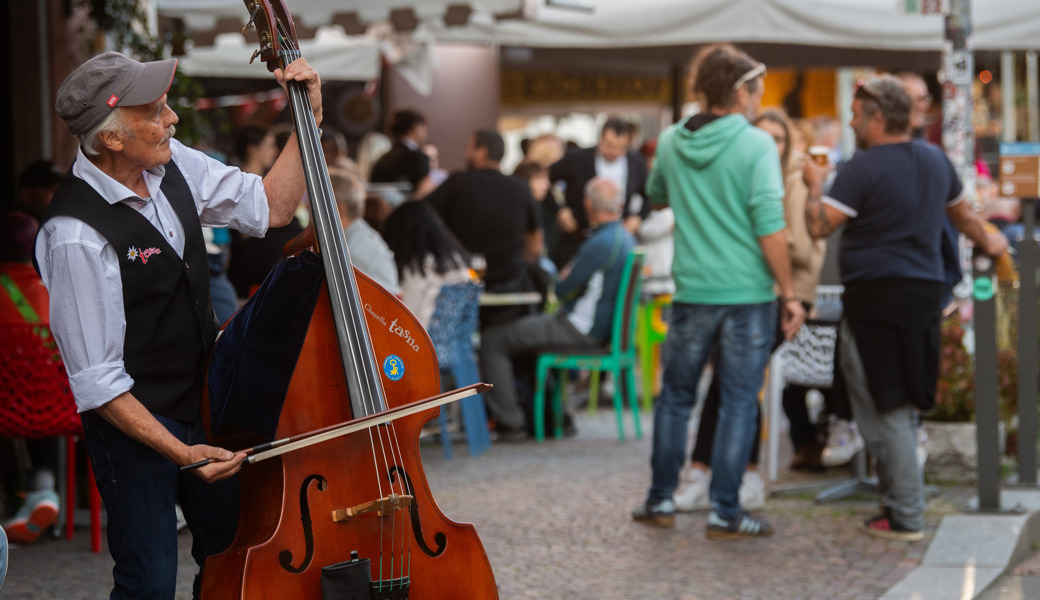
point(744, 525)
point(661, 514)
point(39, 512)
point(694, 495)
point(882, 527)
point(843, 442)
point(752, 491)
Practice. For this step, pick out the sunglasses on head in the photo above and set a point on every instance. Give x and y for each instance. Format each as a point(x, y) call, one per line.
point(863, 92)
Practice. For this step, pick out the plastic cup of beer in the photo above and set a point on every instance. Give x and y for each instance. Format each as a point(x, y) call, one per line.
point(819, 154)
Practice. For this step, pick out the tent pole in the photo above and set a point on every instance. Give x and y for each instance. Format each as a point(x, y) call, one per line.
point(1032, 101)
point(846, 87)
point(1009, 128)
point(958, 74)
point(678, 93)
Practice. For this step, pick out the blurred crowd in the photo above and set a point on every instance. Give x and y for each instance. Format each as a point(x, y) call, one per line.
point(552, 226)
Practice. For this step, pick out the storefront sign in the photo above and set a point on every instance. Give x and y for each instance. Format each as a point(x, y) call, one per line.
point(1020, 170)
point(542, 87)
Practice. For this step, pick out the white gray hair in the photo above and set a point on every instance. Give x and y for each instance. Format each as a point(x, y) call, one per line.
point(604, 196)
point(349, 191)
point(115, 121)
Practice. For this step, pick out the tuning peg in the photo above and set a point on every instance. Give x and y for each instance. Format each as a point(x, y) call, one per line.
point(252, 17)
point(256, 53)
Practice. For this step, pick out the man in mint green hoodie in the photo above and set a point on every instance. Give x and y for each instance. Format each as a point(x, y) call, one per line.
point(721, 176)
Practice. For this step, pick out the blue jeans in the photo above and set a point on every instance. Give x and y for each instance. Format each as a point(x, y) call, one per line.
point(3, 555)
point(139, 488)
point(744, 334)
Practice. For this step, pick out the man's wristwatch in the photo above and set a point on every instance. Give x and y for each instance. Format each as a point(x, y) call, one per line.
point(789, 299)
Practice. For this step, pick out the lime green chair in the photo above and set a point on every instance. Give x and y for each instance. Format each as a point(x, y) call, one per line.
point(619, 357)
point(651, 331)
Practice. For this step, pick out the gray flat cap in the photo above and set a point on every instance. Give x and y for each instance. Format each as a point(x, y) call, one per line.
point(106, 81)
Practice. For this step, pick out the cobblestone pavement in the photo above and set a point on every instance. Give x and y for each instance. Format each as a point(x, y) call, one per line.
point(555, 521)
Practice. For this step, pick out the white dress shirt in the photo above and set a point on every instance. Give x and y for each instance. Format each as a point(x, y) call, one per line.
point(81, 269)
point(616, 171)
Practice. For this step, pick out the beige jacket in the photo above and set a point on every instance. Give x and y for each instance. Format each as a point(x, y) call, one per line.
point(806, 254)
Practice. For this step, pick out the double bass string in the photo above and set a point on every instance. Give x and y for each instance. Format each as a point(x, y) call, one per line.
point(354, 324)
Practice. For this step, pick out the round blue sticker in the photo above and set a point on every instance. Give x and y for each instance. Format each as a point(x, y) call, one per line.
point(393, 367)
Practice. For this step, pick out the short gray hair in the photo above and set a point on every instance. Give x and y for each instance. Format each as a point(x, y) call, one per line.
point(604, 196)
point(887, 95)
point(115, 121)
point(349, 192)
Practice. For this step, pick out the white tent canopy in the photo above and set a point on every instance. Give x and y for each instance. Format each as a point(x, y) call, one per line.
point(203, 14)
point(335, 55)
point(866, 24)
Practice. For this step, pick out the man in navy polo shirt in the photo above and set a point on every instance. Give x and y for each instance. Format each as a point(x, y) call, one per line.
point(892, 198)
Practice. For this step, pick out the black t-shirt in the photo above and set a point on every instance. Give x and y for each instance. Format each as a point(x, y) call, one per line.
point(489, 213)
point(896, 196)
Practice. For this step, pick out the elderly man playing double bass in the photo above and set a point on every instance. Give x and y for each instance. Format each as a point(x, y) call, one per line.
point(122, 255)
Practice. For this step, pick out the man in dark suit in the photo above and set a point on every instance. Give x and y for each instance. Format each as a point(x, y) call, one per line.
point(404, 162)
point(612, 159)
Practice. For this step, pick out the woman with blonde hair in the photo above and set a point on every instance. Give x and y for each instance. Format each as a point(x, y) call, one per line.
point(806, 263)
point(372, 146)
point(806, 254)
point(545, 150)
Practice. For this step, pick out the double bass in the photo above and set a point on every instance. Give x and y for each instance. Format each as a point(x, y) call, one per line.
point(356, 490)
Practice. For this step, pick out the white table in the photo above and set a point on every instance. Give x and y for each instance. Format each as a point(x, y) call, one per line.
point(510, 299)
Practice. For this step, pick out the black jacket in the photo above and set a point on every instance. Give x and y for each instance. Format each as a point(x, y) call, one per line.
point(577, 167)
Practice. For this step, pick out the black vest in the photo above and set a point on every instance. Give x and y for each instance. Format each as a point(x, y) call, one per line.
point(170, 325)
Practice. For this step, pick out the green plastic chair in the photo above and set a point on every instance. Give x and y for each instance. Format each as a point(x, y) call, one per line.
point(619, 357)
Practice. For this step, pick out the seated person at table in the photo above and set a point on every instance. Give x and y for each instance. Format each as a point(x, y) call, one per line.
point(368, 251)
point(493, 214)
point(588, 289)
point(427, 256)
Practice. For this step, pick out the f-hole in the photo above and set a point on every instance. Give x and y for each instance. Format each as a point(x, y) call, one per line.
point(285, 557)
point(439, 538)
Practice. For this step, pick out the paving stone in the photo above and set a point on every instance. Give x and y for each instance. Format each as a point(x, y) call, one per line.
point(555, 521)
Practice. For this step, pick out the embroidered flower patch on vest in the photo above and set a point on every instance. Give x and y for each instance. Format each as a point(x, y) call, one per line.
point(144, 254)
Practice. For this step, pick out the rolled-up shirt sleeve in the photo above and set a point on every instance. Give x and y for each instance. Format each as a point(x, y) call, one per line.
point(87, 313)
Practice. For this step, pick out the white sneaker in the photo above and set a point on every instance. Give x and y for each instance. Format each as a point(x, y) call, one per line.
point(922, 446)
point(181, 523)
point(843, 442)
point(752, 491)
point(694, 495)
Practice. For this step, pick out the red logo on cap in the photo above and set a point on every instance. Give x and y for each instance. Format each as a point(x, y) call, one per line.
point(112, 101)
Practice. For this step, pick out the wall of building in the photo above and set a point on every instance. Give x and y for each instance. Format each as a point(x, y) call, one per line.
point(464, 98)
point(45, 42)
